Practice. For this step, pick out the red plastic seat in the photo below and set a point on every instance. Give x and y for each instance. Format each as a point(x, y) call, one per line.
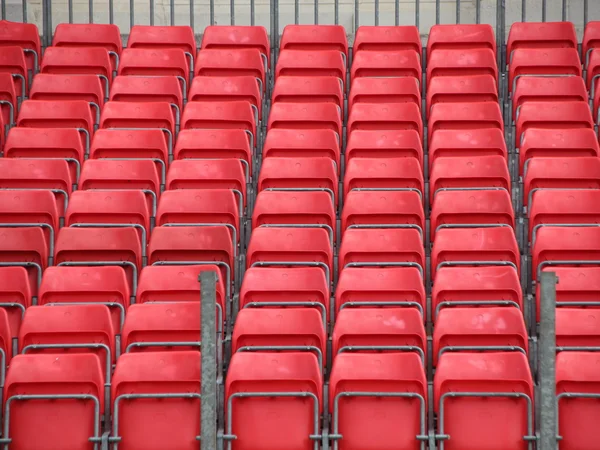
point(385, 208)
point(97, 286)
point(213, 144)
point(231, 63)
point(387, 38)
point(151, 324)
point(192, 245)
point(210, 174)
point(263, 286)
point(8, 95)
point(295, 208)
point(15, 295)
point(139, 115)
point(386, 144)
point(461, 37)
point(163, 37)
point(23, 35)
point(467, 143)
point(12, 61)
point(223, 89)
point(591, 39)
point(378, 173)
point(495, 246)
point(66, 325)
point(303, 89)
point(69, 87)
point(299, 173)
point(478, 61)
point(576, 327)
point(314, 63)
point(577, 382)
point(593, 72)
point(469, 173)
point(314, 37)
point(58, 114)
point(401, 63)
point(365, 329)
point(176, 284)
point(565, 246)
point(106, 36)
point(153, 375)
point(291, 420)
point(69, 422)
point(6, 340)
point(553, 115)
point(391, 286)
point(561, 173)
point(464, 116)
point(552, 89)
point(384, 90)
point(238, 37)
point(461, 376)
point(302, 143)
point(483, 286)
point(115, 143)
point(394, 385)
point(155, 62)
point(385, 116)
point(474, 329)
point(461, 89)
point(280, 327)
point(553, 61)
point(54, 174)
point(536, 35)
point(320, 116)
point(147, 89)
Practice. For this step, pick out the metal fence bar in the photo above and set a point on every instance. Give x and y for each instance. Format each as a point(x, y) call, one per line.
point(208, 408)
point(376, 12)
point(544, 12)
point(296, 11)
point(478, 11)
point(172, 11)
point(211, 8)
point(252, 8)
point(232, 12)
point(316, 12)
point(111, 12)
point(91, 11)
point(437, 12)
point(457, 11)
point(151, 12)
point(547, 362)
point(192, 19)
point(3, 10)
point(523, 10)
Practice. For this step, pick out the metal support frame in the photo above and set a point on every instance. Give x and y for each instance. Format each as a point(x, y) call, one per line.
point(209, 400)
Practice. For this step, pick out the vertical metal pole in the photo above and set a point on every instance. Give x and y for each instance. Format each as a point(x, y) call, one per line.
point(586, 11)
point(397, 12)
point(232, 11)
point(252, 13)
point(547, 362)
point(336, 13)
point(356, 13)
point(49, 26)
point(296, 11)
point(24, 4)
point(376, 12)
point(192, 19)
point(172, 11)
point(111, 12)
point(91, 11)
point(211, 8)
point(3, 10)
point(457, 11)
point(131, 14)
point(544, 7)
point(151, 12)
point(500, 12)
point(208, 324)
point(564, 10)
point(276, 4)
point(437, 12)
point(316, 12)
point(70, 8)
point(418, 15)
point(523, 10)
point(478, 11)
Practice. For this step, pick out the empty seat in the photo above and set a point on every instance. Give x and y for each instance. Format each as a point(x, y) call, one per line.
point(147, 385)
point(6, 341)
point(484, 286)
point(383, 209)
point(223, 89)
point(479, 329)
point(451, 173)
point(69, 87)
point(238, 37)
point(379, 329)
point(163, 37)
point(314, 37)
point(560, 173)
point(69, 415)
point(138, 144)
point(467, 143)
point(280, 329)
point(464, 116)
point(12, 61)
point(15, 296)
point(577, 390)
point(175, 284)
point(387, 38)
point(140, 115)
point(539, 89)
point(464, 383)
point(592, 73)
point(322, 63)
point(374, 287)
point(321, 116)
point(8, 99)
point(565, 246)
point(302, 143)
point(381, 174)
point(384, 144)
point(231, 62)
point(401, 63)
point(536, 35)
point(555, 61)
point(459, 89)
point(552, 115)
point(23, 35)
point(394, 386)
point(280, 287)
point(385, 116)
point(384, 90)
point(148, 89)
point(495, 246)
point(480, 61)
point(576, 327)
point(591, 39)
point(303, 89)
point(155, 62)
point(171, 326)
point(461, 37)
point(302, 174)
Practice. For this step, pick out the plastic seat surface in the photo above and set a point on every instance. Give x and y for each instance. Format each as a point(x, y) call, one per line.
point(536, 35)
point(385, 116)
point(464, 116)
point(301, 116)
point(163, 37)
point(115, 143)
point(314, 37)
point(154, 62)
point(458, 89)
point(88, 35)
point(237, 115)
point(77, 61)
point(538, 89)
point(400, 63)
point(8, 95)
point(237, 37)
point(329, 63)
point(12, 60)
point(230, 62)
point(43, 143)
point(24, 35)
point(14, 290)
point(477, 61)
point(138, 115)
point(128, 174)
point(68, 87)
point(384, 144)
point(147, 89)
point(6, 339)
point(302, 143)
point(576, 327)
point(304, 89)
point(384, 90)
point(387, 38)
point(25, 173)
point(213, 144)
point(219, 89)
point(552, 61)
point(591, 39)
point(461, 37)
point(56, 114)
